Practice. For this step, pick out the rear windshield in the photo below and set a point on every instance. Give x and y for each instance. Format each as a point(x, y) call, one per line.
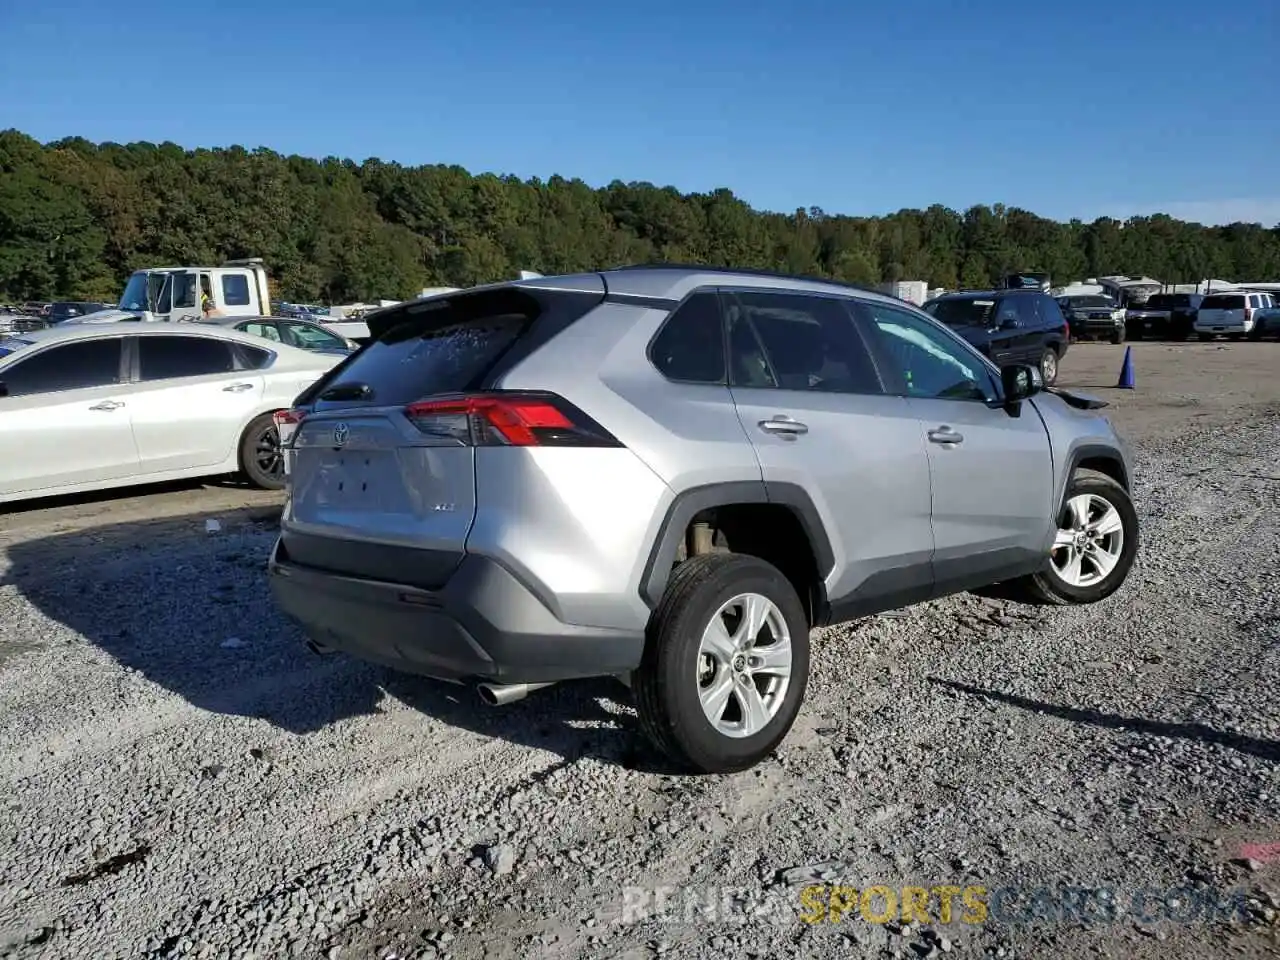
point(962, 313)
point(423, 357)
point(1223, 302)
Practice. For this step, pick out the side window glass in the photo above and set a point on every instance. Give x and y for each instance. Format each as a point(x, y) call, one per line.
point(250, 358)
point(1029, 314)
point(1052, 313)
point(931, 364)
point(267, 331)
point(235, 290)
point(73, 366)
point(690, 345)
point(308, 337)
point(796, 342)
point(166, 358)
point(1007, 313)
point(184, 290)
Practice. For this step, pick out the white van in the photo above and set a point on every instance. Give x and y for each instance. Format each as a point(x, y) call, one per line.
point(1235, 314)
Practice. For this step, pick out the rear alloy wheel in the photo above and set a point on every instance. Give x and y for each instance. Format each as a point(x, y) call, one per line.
point(725, 665)
point(261, 459)
point(1049, 366)
point(1095, 544)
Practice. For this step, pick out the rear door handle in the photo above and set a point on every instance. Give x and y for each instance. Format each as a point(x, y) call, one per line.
point(238, 387)
point(784, 426)
point(107, 405)
point(945, 434)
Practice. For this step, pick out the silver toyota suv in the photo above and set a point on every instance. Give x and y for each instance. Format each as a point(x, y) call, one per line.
point(671, 475)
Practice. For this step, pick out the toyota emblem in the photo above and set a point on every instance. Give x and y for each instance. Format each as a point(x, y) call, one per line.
point(340, 434)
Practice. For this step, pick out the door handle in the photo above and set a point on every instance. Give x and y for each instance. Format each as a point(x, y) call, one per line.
point(238, 388)
point(945, 434)
point(107, 405)
point(783, 425)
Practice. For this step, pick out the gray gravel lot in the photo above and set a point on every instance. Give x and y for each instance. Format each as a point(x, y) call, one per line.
point(184, 779)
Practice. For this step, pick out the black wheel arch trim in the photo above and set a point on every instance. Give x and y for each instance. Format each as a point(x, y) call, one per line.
point(1096, 451)
point(689, 503)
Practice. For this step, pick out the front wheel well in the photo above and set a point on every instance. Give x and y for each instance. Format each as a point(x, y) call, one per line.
point(769, 531)
point(1105, 465)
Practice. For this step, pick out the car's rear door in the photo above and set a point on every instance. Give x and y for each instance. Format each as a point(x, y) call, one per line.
point(811, 400)
point(991, 471)
point(64, 417)
point(191, 401)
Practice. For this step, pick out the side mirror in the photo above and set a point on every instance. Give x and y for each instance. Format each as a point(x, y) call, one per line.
point(1008, 323)
point(1020, 381)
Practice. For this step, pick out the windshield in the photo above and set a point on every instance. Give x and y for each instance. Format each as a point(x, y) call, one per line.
point(135, 293)
point(962, 312)
point(1089, 302)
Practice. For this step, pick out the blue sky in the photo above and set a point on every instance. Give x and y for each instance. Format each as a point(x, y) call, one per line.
point(1069, 109)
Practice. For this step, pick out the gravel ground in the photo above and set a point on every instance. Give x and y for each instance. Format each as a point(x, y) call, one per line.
point(185, 779)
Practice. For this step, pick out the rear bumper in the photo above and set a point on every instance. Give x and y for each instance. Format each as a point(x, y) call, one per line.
point(483, 624)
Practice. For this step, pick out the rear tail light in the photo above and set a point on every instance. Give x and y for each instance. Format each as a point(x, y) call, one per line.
point(1248, 314)
point(509, 420)
point(287, 418)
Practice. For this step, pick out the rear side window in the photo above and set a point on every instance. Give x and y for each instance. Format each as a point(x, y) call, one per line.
point(962, 312)
point(235, 290)
point(690, 345)
point(167, 358)
point(1051, 314)
point(418, 359)
point(1223, 302)
point(72, 366)
point(798, 342)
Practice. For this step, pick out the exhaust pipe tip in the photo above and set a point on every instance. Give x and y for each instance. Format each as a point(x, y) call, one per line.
point(500, 694)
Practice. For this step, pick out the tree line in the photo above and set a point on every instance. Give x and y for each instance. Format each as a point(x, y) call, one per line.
point(77, 217)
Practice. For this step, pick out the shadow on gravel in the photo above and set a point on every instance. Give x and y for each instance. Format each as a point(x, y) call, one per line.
point(191, 612)
point(1266, 749)
point(570, 719)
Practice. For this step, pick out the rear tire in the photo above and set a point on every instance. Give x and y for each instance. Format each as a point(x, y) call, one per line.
point(1097, 513)
point(1204, 337)
point(261, 460)
point(687, 662)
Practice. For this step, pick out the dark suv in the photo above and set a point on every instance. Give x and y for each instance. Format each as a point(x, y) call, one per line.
point(1009, 326)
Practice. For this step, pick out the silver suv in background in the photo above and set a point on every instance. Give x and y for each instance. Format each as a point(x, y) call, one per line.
point(671, 475)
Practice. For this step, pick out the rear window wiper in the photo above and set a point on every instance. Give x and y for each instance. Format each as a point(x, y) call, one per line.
point(348, 391)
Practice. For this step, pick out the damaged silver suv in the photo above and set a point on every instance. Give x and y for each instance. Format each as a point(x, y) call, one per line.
point(671, 475)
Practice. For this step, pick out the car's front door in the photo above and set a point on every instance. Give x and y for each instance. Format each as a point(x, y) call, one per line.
point(810, 398)
point(1005, 332)
point(990, 469)
point(64, 418)
point(191, 401)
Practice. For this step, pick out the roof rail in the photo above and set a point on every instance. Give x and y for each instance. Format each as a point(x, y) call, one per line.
point(752, 272)
point(246, 262)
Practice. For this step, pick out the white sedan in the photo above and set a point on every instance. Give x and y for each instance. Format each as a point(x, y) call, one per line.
point(89, 407)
